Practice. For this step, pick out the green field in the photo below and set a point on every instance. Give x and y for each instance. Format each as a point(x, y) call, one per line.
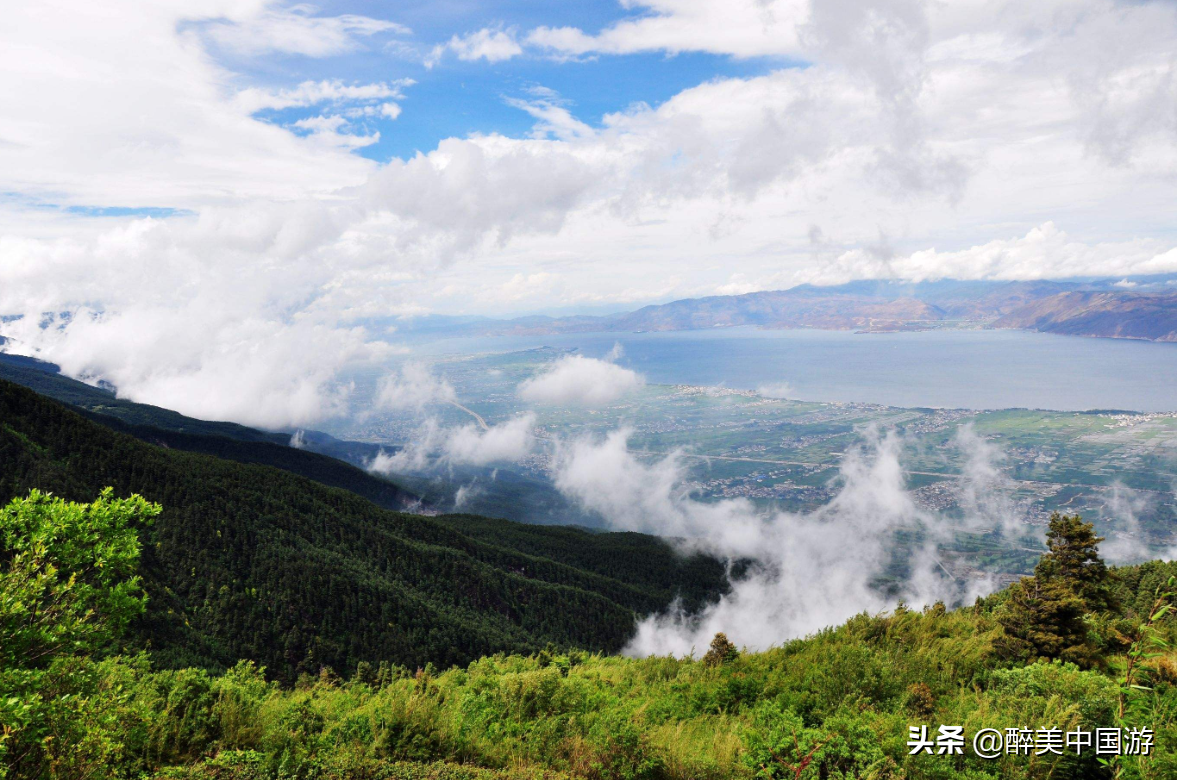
point(1116, 469)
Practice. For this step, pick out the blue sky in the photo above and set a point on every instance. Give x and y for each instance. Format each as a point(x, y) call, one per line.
point(455, 98)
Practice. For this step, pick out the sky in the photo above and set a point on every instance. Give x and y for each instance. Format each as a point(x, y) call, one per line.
point(220, 206)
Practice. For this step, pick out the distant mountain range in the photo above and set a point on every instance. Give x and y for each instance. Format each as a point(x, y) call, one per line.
point(1144, 308)
point(1120, 315)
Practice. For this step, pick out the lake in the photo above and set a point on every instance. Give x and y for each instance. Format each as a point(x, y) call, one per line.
point(973, 369)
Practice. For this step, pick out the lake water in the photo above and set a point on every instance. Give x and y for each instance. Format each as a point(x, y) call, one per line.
point(973, 369)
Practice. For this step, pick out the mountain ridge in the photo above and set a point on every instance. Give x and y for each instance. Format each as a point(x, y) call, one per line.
point(167, 428)
point(1121, 315)
point(249, 561)
point(866, 305)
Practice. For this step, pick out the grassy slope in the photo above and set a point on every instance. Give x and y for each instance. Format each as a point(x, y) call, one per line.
point(253, 562)
point(851, 692)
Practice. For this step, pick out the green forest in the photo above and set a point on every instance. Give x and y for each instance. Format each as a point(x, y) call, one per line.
point(248, 561)
point(168, 614)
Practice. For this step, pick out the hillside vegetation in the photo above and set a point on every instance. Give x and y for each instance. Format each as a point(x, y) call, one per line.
point(835, 705)
point(325, 459)
point(247, 561)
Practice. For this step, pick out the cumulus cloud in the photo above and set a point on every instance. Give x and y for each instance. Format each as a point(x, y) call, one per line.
point(490, 44)
point(328, 130)
point(809, 570)
point(255, 371)
point(503, 443)
point(1044, 252)
point(412, 387)
point(580, 380)
point(468, 445)
point(742, 28)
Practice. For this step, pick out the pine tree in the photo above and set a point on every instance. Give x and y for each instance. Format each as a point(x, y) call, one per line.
point(1074, 560)
point(721, 651)
point(1044, 616)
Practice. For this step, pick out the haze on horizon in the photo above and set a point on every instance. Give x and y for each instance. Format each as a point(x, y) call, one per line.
point(213, 201)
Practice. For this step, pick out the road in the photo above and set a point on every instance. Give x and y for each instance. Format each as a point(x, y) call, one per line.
point(472, 413)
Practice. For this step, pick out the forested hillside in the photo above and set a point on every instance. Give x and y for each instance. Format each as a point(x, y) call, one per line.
point(324, 458)
point(252, 562)
point(1073, 649)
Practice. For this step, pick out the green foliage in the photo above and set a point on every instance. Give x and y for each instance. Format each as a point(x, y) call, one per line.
point(1045, 619)
point(67, 585)
point(834, 705)
point(721, 651)
point(1073, 559)
point(780, 745)
point(67, 590)
point(1046, 616)
point(251, 562)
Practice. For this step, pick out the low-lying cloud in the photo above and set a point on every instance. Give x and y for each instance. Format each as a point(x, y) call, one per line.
point(412, 387)
point(775, 390)
point(467, 445)
point(1126, 543)
point(809, 570)
point(581, 381)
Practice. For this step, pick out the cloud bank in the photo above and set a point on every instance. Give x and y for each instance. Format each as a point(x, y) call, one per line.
point(809, 570)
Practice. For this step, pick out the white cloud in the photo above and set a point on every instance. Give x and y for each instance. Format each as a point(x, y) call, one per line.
point(810, 570)
point(776, 390)
point(1126, 544)
point(580, 380)
point(311, 93)
point(162, 128)
point(295, 31)
point(1044, 252)
point(412, 387)
point(506, 442)
point(328, 130)
point(465, 493)
point(985, 490)
point(468, 445)
point(258, 372)
point(490, 44)
point(742, 28)
point(554, 119)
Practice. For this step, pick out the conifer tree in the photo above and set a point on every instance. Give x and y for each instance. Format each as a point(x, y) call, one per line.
point(1074, 560)
point(1044, 616)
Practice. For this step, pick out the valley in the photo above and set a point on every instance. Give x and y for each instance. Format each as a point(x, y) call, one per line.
point(1115, 468)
